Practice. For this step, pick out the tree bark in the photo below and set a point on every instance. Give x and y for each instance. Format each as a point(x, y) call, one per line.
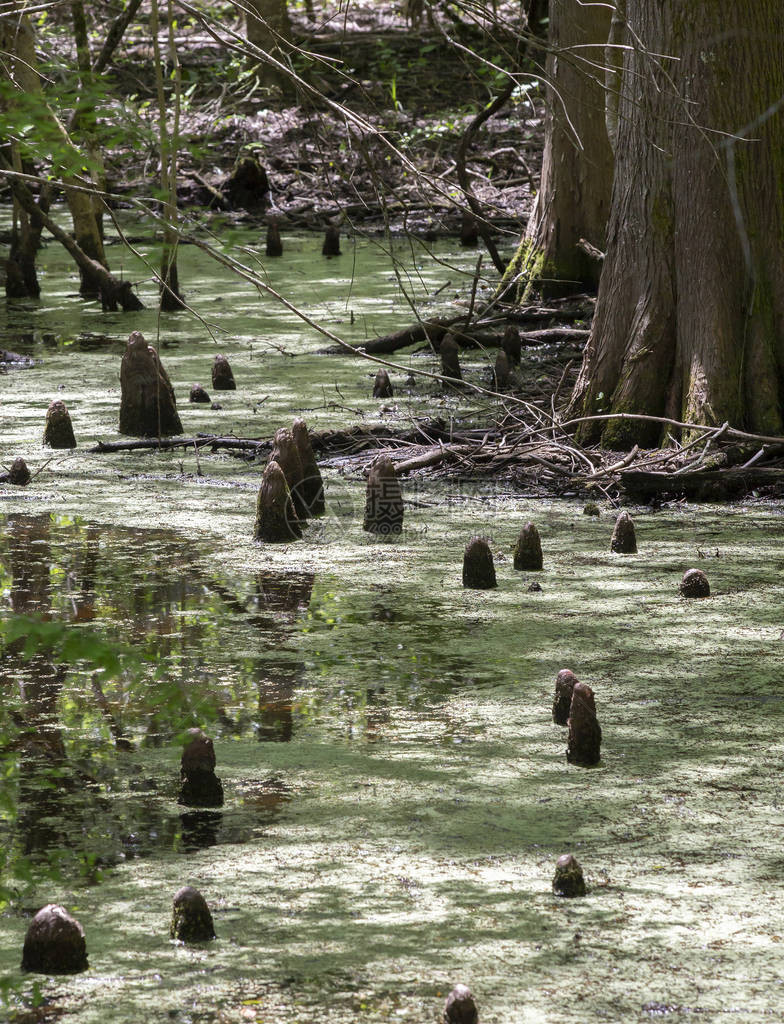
point(573, 202)
point(690, 315)
point(268, 26)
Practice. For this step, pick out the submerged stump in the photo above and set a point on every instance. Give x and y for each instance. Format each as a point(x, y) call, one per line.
point(54, 943)
point(247, 187)
point(568, 879)
point(276, 520)
point(148, 407)
point(274, 245)
point(191, 917)
point(460, 1007)
point(199, 395)
point(478, 567)
point(694, 584)
point(383, 499)
point(585, 734)
point(562, 701)
point(512, 344)
point(450, 358)
point(528, 551)
point(199, 785)
point(312, 482)
point(382, 385)
point(58, 432)
point(286, 453)
point(331, 246)
point(222, 377)
point(624, 539)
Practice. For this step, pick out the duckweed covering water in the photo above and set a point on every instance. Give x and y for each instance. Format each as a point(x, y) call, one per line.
point(396, 793)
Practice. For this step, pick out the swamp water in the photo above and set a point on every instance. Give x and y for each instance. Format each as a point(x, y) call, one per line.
point(396, 793)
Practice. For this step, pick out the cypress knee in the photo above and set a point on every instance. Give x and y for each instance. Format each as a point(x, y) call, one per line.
point(450, 358)
point(54, 943)
point(695, 584)
point(511, 344)
point(222, 377)
point(18, 474)
point(478, 568)
point(331, 246)
point(460, 1007)
point(198, 395)
point(585, 735)
point(276, 520)
point(383, 499)
point(562, 701)
point(199, 785)
point(191, 917)
point(528, 551)
point(58, 432)
point(274, 243)
point(624, 540)
point(568, 879)
point(286, 454)
point(147, 403)
point(501, 371)
point(312, 483)
point(382, 385)
point(469, 230)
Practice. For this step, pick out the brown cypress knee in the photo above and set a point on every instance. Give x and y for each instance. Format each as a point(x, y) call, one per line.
point(694, 584)
point(222, 376)
point(331, 246)
point(478, 568)
point(562, 701)
point(585, 734)
point(199, 785)
point(191, 917)
point(460, 1007)
point(276, 520)
point(512, 344)
point(528, 551)
point(382, 385)
point(147, 403)
point(501, 371)
point(568, 879)
point(199, 395)
point(312, 482)
point(54, 943)
point(450, 358)
point(58, 432)
point(624, 540)
point(383, 499)
point(286, 454)
point(274, 243)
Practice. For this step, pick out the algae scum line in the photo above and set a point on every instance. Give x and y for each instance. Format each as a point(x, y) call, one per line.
point(394, 792)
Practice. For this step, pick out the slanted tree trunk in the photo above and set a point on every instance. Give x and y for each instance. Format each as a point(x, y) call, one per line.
point(269, 28)
point(689, 320)
point(573, 202)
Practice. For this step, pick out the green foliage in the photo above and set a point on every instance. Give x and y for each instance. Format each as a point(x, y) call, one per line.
point(66, 643)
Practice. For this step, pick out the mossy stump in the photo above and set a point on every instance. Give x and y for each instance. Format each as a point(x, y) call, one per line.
point(460, 1007)
point(54, 943)
point(568, 879)
point(312, 483)
point(199, 785)
point(276, 520)
point(274, 245)
point(528, 550)
point(585, 734)
point(562, 701)
point(199, 395)
point(512, 344)
point(382, 385)
point(450, 358)
point(478, 567)
point(222, 376)
point(286, 453)
point(383, 499)
point(331, 246)
point(18, 474)
point(591, 509)
point(624, 539)
point(191, 917)
point(501, 372)
point(58, 432)
point(694, 584)
point(148, 407)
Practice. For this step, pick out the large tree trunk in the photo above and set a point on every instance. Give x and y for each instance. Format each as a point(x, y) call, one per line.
point(689, 321)
point(573, 202)
point(268, 26)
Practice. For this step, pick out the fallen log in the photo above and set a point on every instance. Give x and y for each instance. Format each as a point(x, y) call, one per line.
point(700, 485)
